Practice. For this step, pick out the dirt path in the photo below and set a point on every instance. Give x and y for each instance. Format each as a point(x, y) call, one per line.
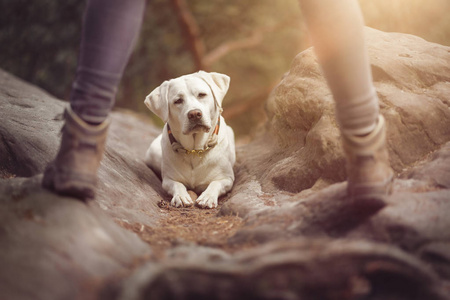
point(183, 226)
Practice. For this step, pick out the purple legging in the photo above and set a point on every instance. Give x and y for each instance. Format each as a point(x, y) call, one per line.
point(110, 29)
point(337, 32)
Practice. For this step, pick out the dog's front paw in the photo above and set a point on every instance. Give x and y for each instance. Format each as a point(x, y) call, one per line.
point(207, 200)
point(182, 200)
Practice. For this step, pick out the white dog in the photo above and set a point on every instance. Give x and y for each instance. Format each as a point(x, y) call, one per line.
point(196, 148)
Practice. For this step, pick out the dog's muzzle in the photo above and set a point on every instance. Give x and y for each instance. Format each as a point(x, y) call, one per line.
point(196, 123)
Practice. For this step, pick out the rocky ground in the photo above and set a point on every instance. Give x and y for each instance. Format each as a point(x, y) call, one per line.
point(286, 230)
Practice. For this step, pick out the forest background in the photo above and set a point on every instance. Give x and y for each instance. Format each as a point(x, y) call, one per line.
point(252, 41)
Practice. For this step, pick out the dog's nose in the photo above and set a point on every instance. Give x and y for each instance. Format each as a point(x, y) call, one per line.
point(195, 114)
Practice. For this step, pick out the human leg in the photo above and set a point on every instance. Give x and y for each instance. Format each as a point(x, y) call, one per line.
point(110, 28)
point(337, 33)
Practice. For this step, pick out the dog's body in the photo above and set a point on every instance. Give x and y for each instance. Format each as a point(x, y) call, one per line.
point(196, 149)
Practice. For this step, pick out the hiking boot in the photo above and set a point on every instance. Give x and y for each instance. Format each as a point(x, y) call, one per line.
point(369, 173)
point(74, 170)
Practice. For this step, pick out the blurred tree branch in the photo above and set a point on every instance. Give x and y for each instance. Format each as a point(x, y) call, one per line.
point(229, 46)
point(191, 29)
point(250, 41)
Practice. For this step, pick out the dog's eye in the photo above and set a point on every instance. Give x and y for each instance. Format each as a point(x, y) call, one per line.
point(178, 101)
point(202, 95)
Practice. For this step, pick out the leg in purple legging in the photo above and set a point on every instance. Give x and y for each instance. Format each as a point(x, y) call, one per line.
point(110, 29)
point(337, 32)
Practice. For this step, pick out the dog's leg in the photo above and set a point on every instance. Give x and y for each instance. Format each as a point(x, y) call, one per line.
point(208, 199)
point(179, 192)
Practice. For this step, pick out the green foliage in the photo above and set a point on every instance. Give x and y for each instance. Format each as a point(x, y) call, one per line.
point(40, 41)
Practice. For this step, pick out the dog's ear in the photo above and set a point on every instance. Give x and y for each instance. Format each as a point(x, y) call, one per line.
point(218, 83)
point(158, 103)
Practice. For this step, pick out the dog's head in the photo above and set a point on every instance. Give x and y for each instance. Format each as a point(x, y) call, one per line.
point(190, 102)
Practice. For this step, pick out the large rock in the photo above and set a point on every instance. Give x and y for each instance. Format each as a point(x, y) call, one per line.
point(288, 179)
point(300, 149)
point(31, 120)
point(53, 247)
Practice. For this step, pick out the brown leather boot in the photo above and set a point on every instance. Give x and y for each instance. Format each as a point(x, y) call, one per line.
point(369, 173)
point(74, 170)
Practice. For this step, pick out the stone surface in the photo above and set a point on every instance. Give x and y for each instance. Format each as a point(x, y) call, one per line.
point(289, 192)
point(298, 269)
point(435, 171)
point(301, 146)
point(54, 247)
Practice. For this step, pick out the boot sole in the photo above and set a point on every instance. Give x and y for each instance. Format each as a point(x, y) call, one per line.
point(73, 186)
point(373, 191)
